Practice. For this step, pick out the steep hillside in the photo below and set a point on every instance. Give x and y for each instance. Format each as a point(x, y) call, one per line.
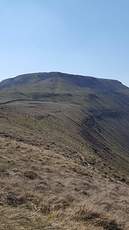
point(64, 152)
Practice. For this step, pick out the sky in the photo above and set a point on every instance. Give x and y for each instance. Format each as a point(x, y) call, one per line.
point(89, 37)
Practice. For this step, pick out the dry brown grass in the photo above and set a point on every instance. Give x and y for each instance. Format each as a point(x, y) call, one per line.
point(91, 214)
point(43, 189)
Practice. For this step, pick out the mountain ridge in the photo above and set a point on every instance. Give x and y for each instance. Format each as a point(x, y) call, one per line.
point(59, 74)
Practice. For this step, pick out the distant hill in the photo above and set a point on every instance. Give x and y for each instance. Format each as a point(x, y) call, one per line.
point(39, 84)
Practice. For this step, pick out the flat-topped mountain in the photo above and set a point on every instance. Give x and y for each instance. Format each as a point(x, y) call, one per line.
point(27, 85)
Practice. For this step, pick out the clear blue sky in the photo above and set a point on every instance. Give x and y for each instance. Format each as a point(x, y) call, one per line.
point(89, 37)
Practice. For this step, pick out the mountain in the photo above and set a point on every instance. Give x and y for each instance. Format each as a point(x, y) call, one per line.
point(64, 152)
point(85, 110)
